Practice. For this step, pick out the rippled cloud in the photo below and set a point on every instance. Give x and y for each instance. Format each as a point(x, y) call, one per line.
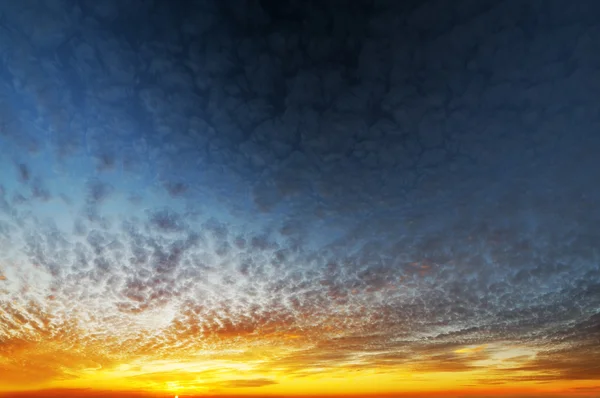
point(384, 186)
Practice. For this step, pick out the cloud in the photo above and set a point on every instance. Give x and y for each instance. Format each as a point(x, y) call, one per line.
point(166, 220)
point(450, 362)
point(577, 363)
point(98, 191)
point(24, 173)
point(26, 362)
point(82, 392)
point(387, 205)
point(176, 188)
point(242, 383)
point(39, 191)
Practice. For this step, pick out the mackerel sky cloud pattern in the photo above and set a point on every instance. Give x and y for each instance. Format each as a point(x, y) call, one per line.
point(377, 185)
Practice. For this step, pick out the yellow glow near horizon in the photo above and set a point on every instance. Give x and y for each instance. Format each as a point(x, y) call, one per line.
point(254, 375)
point(289, 368)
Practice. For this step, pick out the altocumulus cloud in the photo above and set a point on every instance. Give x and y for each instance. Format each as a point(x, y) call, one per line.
point(389, 181)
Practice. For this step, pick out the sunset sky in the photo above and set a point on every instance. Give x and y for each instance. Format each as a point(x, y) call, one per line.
point(299, 198)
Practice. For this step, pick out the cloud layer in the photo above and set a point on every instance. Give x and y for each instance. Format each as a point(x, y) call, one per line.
point(373, 186)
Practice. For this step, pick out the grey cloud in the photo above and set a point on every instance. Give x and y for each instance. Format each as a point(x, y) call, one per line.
point(166, 220)
point(39, 191)
point(176, 188)
point(23, 172)
point(98, 191)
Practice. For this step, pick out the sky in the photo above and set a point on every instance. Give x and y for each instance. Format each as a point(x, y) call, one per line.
point(290, 198)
